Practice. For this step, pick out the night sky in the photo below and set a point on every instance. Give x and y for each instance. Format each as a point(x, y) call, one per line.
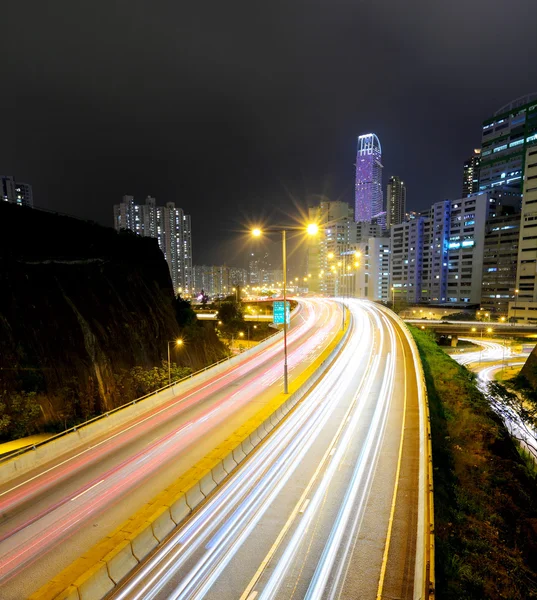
point(234, 109)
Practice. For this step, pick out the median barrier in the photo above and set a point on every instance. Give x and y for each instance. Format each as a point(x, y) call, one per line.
point(179, 510)
point(120, 561)
point(143, 541)
point(207, 484)
point(218, 473)
point(186, 494)
point(162, 523)
point(95, 583)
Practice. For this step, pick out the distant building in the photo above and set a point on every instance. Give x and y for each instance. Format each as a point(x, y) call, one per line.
point(368, 185)
point(338, 239)
point(500, 255)
point(395, 201)
point(16, 192)
point(470, 177)
point(523, 307)
point(172, 229)
point(506, 137)
point(438, 258)
point(373, 275)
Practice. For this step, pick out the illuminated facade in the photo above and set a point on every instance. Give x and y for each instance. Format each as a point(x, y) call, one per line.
point(395, 201)
point(506, 137)
point(368, 186)
point(470, 178)
point(172, 229)
point(15, 192)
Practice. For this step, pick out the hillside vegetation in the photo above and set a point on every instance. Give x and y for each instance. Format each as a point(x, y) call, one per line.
point(485, 497)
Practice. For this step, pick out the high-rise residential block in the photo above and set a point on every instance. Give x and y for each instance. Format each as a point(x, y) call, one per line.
point(395, 202)
point(172, 229)
point(438, 257)
point(16, 192)
point(470, 178)
point(368, 185)
point(506, 138)
point(218, 280)
point(524, 305)
point(372, 276)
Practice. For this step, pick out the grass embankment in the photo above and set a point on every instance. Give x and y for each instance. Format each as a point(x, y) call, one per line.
point(485, 497)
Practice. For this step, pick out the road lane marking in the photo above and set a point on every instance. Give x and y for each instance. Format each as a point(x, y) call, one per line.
point(86, 491)
point(384, 564)
point(305, 505)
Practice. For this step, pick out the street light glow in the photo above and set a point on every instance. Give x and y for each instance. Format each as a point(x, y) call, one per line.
point(256, 232)
point(312, 229)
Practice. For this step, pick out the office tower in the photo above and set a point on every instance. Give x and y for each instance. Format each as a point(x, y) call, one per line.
point(169, 226)
point(523, 307)
point(506, 137)
point(16, 192)
point(368, 187)
point(470, 178)
point(500, 257)
point(395, 202)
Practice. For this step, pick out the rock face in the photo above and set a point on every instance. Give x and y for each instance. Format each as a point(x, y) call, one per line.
point(78, 303)
point(529, 370)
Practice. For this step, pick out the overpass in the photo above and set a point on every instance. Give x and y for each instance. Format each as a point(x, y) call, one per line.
point(459, 328)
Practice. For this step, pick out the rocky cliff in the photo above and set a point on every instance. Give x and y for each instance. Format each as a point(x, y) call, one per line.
point(79, 303)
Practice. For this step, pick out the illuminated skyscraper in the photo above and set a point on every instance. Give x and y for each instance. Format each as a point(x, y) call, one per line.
point(395, 201)
point(368, 188)
point(470, 179)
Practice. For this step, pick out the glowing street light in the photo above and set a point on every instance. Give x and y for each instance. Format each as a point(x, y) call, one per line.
point(178, 343)
point(257, 232)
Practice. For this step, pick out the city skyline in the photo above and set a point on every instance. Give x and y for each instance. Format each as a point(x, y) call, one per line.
point(79, 126)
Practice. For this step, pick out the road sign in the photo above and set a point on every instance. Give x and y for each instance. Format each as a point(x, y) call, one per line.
point(278, 312)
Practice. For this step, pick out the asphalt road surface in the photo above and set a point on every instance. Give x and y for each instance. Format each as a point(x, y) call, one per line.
point(51, 516)
point(326, 507)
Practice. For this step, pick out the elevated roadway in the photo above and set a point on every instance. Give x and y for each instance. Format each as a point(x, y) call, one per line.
point(51, 515)
point(330, 505)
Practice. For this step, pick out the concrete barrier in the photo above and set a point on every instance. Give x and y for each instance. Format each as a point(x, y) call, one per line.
point(194, 496)
point(179, 510)
point(150, 525)
point(120, 561)
point(95, 584)
point(143, 541)
point(162, 523)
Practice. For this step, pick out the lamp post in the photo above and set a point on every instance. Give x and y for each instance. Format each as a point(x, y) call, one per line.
point(178, 342)
point(393, 299)
point(311, 229)
point(514, 308)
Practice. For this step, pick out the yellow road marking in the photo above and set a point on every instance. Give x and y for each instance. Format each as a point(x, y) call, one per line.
point(396, 486)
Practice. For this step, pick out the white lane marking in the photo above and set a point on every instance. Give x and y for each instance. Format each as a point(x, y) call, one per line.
point(305, 505)
point(332, 451)
point(86, 491)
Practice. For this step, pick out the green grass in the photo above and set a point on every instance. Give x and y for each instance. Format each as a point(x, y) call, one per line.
point(485, 496)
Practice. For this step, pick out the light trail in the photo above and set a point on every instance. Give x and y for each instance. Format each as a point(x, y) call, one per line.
point(194, 559)
point(48, 527)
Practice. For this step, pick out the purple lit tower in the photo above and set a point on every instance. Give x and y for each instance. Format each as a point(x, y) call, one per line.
point(368, 189)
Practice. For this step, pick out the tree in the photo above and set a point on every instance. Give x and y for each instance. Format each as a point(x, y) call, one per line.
point(184, 313)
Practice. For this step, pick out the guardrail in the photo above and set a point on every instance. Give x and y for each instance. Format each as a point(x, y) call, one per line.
point(13, 455)
point(99, 570)
point(424, 574)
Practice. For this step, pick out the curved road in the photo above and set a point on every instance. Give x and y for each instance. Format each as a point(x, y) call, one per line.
point(72, 503)
point(326, 506)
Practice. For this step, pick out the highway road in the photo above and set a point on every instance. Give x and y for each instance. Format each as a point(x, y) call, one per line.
point(327, 506)
point(51, 516)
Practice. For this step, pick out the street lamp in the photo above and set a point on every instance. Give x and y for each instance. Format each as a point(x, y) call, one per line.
point(514, 308)
point(178, 342)
point(311, 229)
point(393, 299)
